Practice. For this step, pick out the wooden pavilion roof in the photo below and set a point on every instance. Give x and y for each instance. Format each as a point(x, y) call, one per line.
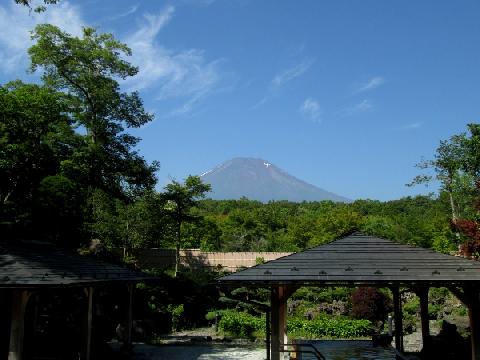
point(359, 259)
point(33, 266)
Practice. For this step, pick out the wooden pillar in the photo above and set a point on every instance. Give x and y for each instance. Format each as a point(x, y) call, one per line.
point(473, 304)
point(87, 346)
point(279, 321)
point(267, 332)
point(398, 317)
point(129, 327)
point(422, 293)
point(470, 297)
point(17, 327)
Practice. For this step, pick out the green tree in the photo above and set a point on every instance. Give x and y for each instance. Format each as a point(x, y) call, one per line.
point(179, 201)
point(36, 138)
point(447, 166)
point(456, 166)
point(87, 70)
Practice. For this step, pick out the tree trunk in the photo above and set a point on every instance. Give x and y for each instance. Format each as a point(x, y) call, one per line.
point(452, 205)
point(177, 249)
point(450, 195)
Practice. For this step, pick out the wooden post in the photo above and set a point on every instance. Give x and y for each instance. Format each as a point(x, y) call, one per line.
point(398, 318)
point(17, 327)
point(422, 293)
point(267, 333)
point(470, 297)
point(87, 347)
point(473, 304)
point(279, 321)
point(129, 327)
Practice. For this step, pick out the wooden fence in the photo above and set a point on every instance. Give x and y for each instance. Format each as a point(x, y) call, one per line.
point(193, 258)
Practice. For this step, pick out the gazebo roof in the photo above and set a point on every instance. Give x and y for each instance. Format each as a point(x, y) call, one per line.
point(359, 259)
point(33, 266)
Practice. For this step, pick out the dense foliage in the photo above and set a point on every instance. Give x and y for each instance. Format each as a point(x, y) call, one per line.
point(242, 324)
point(371, 304)
point(328, 327)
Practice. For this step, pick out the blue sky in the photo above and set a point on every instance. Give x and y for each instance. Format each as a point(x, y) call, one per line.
point(346, 95)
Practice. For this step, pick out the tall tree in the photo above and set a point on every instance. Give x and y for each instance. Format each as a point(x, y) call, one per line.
point(36, 137)
point(179, 200)
point(470, 227)
point(87, 69)
point(449, 166)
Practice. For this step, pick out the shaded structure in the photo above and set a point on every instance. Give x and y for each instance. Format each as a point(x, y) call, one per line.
point(33, 268)
point(361, 260)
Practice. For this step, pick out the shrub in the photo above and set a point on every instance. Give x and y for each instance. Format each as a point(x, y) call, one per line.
point(412, 306)
point(329, 327)
point(176, 311)
point(371, 304)
point(240, 324)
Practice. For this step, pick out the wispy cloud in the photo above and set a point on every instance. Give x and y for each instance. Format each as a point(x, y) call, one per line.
point(186, 74)
point(412, 126)
point(371, 84)
point(361, 107)
point(16, 22)
point(291, 73)
point(283, 77)
point(133, 9)
point(311, 108)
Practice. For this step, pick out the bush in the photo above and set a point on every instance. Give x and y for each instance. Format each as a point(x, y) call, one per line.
point(176, 312)
point(240, 324)
point(412, 306)
point(328, 327)
point(371, 304)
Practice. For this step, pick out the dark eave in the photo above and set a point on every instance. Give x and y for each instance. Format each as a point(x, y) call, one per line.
point(40, 266)
point(359, 259)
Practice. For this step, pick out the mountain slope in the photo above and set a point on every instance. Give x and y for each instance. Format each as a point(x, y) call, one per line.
point(258, 179)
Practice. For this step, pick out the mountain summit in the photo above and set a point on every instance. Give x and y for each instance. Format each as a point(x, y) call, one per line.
point(258, 179)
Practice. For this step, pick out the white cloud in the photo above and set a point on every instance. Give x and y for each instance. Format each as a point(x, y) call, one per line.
point(133, 9)
point(291, 73)
point(371, 84)
point(362, 106)
point(283, 77)
point(16, 22)
point(183, 74)
point(311, 108)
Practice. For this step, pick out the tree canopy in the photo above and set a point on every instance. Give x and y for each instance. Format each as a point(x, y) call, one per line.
point(86, 69)
point(63, 142)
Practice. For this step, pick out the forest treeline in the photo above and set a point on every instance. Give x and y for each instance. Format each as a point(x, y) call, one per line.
point(70, 172)
point(246, 225)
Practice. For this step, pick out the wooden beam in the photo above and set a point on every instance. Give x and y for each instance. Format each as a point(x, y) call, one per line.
point(474, 317)
point(472, 297)
point(267, 332)
point(87, 346)
point(17, 327)
point(422, 293)
point(279, 321)
point(129, 327)
point(398, 318)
